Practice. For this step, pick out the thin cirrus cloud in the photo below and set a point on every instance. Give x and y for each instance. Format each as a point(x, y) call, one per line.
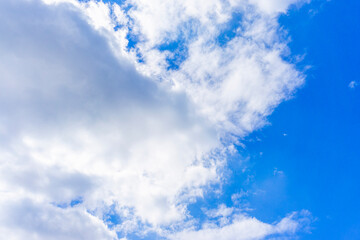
point(353, 84)
point(128, 111)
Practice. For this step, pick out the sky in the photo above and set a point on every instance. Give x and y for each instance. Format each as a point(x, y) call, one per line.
point(162, 119)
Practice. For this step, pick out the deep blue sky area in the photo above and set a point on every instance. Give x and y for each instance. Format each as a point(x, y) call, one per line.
point(316, 164)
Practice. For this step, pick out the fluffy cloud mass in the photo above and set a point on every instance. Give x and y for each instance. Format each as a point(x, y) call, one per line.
point(116, 116)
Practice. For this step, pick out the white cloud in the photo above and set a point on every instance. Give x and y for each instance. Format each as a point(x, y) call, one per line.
point(27, 219)
point(73, 111)
point(352, 84)
point(234, 84)
point(243, 227)
point(221, 211)
point(83, 119)
point(275, 6)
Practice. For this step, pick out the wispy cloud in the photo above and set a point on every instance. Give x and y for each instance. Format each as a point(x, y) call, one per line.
point(353, 84)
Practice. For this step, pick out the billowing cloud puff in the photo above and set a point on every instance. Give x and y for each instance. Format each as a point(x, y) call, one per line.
point(115, 117)
point(244, 227)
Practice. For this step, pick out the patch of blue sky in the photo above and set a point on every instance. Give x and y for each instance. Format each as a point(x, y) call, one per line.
point(177, 46)
point(230, 30)
point(177, 53)
point(113, 219)
point(133, 40)
point(235, 180)
point(147, 236)
point(178, 50)
point(119, 2)
point(209, 201)
point(72, 203)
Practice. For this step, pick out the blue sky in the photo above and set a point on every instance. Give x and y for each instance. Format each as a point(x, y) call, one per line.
point(179, 119)
point(320, 153)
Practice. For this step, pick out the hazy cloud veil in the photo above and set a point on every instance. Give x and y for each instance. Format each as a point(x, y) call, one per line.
point(114, 116)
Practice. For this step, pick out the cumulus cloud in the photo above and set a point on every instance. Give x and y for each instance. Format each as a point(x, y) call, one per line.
point(130, 111)
point(226, 55)
point(28, 219)
point(73, 106)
